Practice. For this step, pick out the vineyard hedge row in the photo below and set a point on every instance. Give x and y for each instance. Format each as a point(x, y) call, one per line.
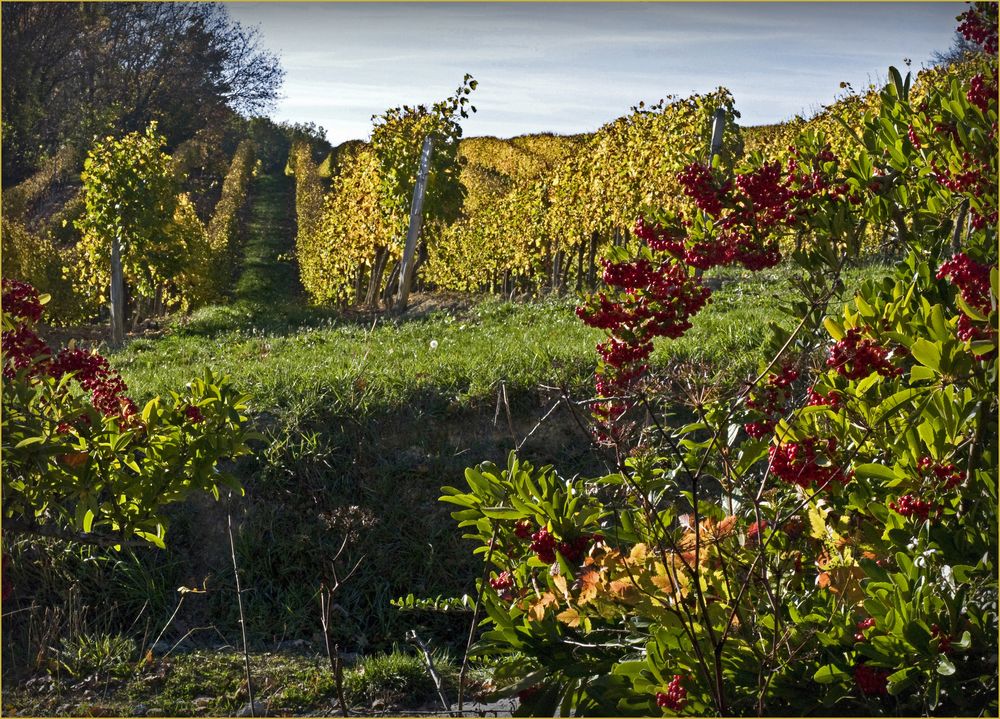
point(539, 211)
point(46, 241)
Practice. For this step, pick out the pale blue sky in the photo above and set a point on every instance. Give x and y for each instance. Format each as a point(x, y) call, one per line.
point(571, 67)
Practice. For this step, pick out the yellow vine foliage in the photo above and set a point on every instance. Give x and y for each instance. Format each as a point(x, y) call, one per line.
point(536, 206)
point(224, 225)
point(533, 198)
point(345, 238)
point(196, 284)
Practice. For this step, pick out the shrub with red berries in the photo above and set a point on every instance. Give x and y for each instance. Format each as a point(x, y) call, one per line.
point(772, 400)
point(21, 300)
point(871, 681)
point(79, 457)
point(941, 475)
point(675, 697)
point(799, 463)
point(503, 581)
point(543, 544)
point(778, 545)
point(862, 626)
point(855, 357)
point(978, 24)
point(909, 506)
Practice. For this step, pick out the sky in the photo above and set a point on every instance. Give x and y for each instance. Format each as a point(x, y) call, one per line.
point(571, 67)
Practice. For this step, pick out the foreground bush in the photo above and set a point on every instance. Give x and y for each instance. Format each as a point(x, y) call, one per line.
point(81, 460)
point(824, 539)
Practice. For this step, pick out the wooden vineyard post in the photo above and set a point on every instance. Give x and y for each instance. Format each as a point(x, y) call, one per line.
point(416, 218)
point(718, 122)
point(117, 294)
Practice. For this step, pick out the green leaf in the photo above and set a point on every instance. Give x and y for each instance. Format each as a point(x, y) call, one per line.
point(835, 329)
point(927, 353)
point(944, 666)
point(830, 674)
point(893, 402)
point(904, 678)
point(153, 538)
point(920, 373)
point(981, 347)
point(874, 471)
point(969, 310)
point(28, 442)
point(502, 512)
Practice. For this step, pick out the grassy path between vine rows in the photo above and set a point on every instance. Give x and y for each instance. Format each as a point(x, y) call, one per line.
point(268, 276)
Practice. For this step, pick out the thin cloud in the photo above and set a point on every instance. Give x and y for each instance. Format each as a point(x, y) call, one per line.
point(571, 68)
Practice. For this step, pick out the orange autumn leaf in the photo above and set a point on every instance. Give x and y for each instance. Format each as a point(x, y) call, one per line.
point(569, 617)
point(662, 583)
point(589, 581)
point(638, 554)
point(623, 589)
point(537, 611)
point(560, 582)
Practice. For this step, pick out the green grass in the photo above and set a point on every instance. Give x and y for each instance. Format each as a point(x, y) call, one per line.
point(457, 357)
point(450, 356)
point(212, 683)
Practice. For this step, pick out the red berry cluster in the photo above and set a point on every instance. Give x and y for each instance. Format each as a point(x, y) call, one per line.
point(22, 348)
point(909, 506)
point(971, 278)
point(575, 549)
point(503, 582)
point(543, 544)
point(871, 681)
point(657, 302)
point(981, 92)
point(20, 299)
point(675, 697)
point(947, 476)
point(522, 529)
point(659, 238)
point(810, 178)
point(945, 640)
point(604, 313)
point(975, 179)
point(653, 300)
point(621, 354)
point(767, 190)
point(859, 636)
point(699, 183)
point(973, 282)
point(856, 358)
point(831, 399)
point(979, 25)
point(95, 375)
point(796, 463)
point(194, 414)
point(771, 402)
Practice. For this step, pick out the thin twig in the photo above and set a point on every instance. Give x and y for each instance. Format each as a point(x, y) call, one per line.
point(412, 636)
point(475, 619)
point(239, 604)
